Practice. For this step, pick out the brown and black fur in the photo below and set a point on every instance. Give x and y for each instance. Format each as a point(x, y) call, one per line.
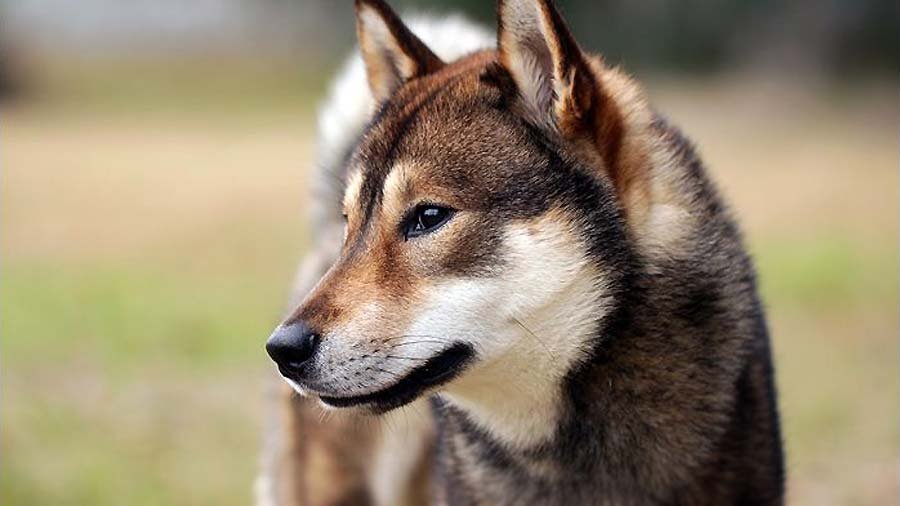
point(677, 404)
point(672, 400)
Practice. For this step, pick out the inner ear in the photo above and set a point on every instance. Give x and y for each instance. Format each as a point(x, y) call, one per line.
point(392, 54)
point(549, 69)
point(525, 52)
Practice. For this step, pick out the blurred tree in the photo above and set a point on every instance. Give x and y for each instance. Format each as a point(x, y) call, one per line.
point(706, 35)
point(838, 37)
point(12, 78)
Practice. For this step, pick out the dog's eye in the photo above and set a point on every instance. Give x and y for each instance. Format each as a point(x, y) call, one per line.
point(426, 218)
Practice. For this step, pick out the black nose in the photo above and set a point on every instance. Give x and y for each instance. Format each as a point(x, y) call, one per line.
point(290, 346)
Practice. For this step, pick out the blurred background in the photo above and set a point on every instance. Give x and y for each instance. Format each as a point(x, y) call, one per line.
point(154, 158)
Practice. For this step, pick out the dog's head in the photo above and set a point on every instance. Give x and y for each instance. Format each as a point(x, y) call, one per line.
point(485, 240)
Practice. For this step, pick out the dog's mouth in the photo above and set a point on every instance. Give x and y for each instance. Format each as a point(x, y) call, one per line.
point(436, 371)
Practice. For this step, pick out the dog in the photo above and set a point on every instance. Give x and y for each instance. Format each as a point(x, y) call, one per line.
point(533, 250)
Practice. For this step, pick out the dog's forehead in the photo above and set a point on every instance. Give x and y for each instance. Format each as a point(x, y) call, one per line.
point(456, 137)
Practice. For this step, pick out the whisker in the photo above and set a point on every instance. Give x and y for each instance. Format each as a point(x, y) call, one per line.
point(324, 416)
point(388, 372)
point(433, 341)
point(410, 336)
point(536, 338)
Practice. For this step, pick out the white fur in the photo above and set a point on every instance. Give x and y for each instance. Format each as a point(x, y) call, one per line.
point(399, 450)
point(296, 386)
point(534, 86)
point(530, 325)
point(340, 345)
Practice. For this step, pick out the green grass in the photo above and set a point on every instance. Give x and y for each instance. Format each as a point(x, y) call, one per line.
point(122, 317)
point(827, 272)
point(132, 386)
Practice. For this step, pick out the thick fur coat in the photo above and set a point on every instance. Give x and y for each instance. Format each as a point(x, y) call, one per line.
point(534, 251)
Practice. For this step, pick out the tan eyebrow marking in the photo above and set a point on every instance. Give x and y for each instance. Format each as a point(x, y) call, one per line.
point(395, 186)
point(354, 185)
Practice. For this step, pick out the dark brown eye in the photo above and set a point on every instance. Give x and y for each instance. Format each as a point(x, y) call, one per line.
point(426, 218)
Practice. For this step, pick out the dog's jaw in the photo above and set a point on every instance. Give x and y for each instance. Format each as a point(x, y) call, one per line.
point(515, 392)
point(435, 372)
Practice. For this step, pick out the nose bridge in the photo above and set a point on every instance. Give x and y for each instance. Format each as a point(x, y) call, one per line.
point(335, 293)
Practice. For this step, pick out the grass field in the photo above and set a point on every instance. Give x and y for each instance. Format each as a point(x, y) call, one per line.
point(147, 246)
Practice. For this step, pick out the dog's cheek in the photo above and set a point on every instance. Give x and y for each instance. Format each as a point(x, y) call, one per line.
point(473, 250)
point(457, 310)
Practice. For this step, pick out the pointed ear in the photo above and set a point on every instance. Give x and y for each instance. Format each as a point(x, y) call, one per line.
point(392, 54)
point(551, 72)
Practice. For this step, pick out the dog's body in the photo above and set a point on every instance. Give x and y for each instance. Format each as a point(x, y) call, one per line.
point(530, 241)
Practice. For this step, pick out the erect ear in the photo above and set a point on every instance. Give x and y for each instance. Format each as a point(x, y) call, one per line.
point(392, 54)
point(549, 69)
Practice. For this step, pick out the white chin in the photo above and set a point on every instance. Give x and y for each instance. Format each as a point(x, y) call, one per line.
point(297, 388)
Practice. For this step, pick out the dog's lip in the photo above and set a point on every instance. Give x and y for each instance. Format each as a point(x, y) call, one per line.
point(436, 371)
point(290, 371)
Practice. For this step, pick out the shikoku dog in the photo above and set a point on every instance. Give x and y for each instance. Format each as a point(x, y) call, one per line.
point(529, 244)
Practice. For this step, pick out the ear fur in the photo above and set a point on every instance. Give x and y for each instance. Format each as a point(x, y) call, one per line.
point(551, 72)
point(392, 54)
point(559, 86)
